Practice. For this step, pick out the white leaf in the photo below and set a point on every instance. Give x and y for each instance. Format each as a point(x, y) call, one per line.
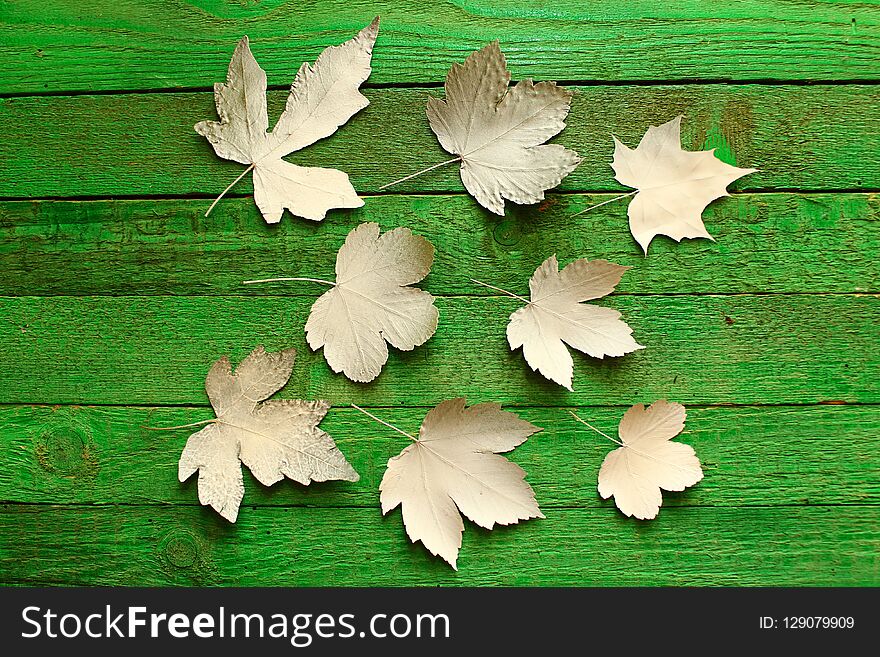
point(555, 317)
point(648, 460)
point(370, 303)
point(674, 186)
point(454, 467)
point(497, 132)
point(324, 95)
point(275, 438)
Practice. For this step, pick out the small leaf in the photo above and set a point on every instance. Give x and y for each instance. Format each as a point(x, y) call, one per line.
point(371, 303)
point(555, 317)
point(648, 460)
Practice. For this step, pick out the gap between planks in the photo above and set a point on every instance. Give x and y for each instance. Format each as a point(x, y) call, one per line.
point(671, 82)
point(758, 191)
point(600, 504)
point(724, 405)
point(296, 294)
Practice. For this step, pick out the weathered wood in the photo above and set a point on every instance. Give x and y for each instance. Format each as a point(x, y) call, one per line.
point(701, 349)
point(174, 545)
point(106, 455)
point(125, 302)
point(765, 243)
point(801, 137)
point(56, 45)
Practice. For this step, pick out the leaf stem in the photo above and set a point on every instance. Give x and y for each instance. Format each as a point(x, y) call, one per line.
point(290, 278)
point(183, 426)
point(419, 173)
point(613, 440)
point(390, 426)
point(231, 185)
point(611, 200)
point(500, 289)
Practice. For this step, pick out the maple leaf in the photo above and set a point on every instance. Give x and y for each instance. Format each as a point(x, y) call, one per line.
point(323, 96)
point(647, 460)
point(274, 438)
point(370, 304)
point(673, 186)
point(496, 132)
point(454, 468)
point(555, 317)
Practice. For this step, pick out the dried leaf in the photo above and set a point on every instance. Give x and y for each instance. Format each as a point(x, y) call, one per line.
point(370, 304)
point(555, 317)
point(674, 186)
point(454, 467)
point(497, 132)
point(648, 460)
point(274, 438)
point(324, 95)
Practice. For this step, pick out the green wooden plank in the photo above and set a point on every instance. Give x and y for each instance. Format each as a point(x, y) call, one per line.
point(174, 545)
point(801, 137)
point(765, 243)
point(701, 349)
point(63, 46)
point(751, 456)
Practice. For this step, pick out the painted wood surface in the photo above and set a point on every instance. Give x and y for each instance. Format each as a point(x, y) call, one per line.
point(56, 45)
point(823, 137)
point(98, 455)
point(183, 545)
point(766, 244)
point(737, 349)
point(116, 293)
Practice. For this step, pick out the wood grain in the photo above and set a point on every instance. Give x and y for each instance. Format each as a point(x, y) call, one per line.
point(107, 455)
point(174, 545)
point(800, 137)
point(116, 293)
point(779, 243)
point(701, 349)
point(56, 45)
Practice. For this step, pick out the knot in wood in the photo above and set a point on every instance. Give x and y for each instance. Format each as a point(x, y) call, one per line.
point(181, 549)
point(64, 447)
point(507, 233)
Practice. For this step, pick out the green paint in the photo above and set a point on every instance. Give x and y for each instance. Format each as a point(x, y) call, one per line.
point(168, 247)
point(744, 450)
point(769, 334)
point(723, 151)
point(741, 349)
point(799, 137)
point(239, 9)
point(66, 46)
point(190, 545)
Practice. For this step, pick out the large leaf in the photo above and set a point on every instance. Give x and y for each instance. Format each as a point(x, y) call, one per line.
point(370, 303)
point(674, 186)
point(275, 439)
point(497, 133)
point(454, 467)
point(324, 95)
